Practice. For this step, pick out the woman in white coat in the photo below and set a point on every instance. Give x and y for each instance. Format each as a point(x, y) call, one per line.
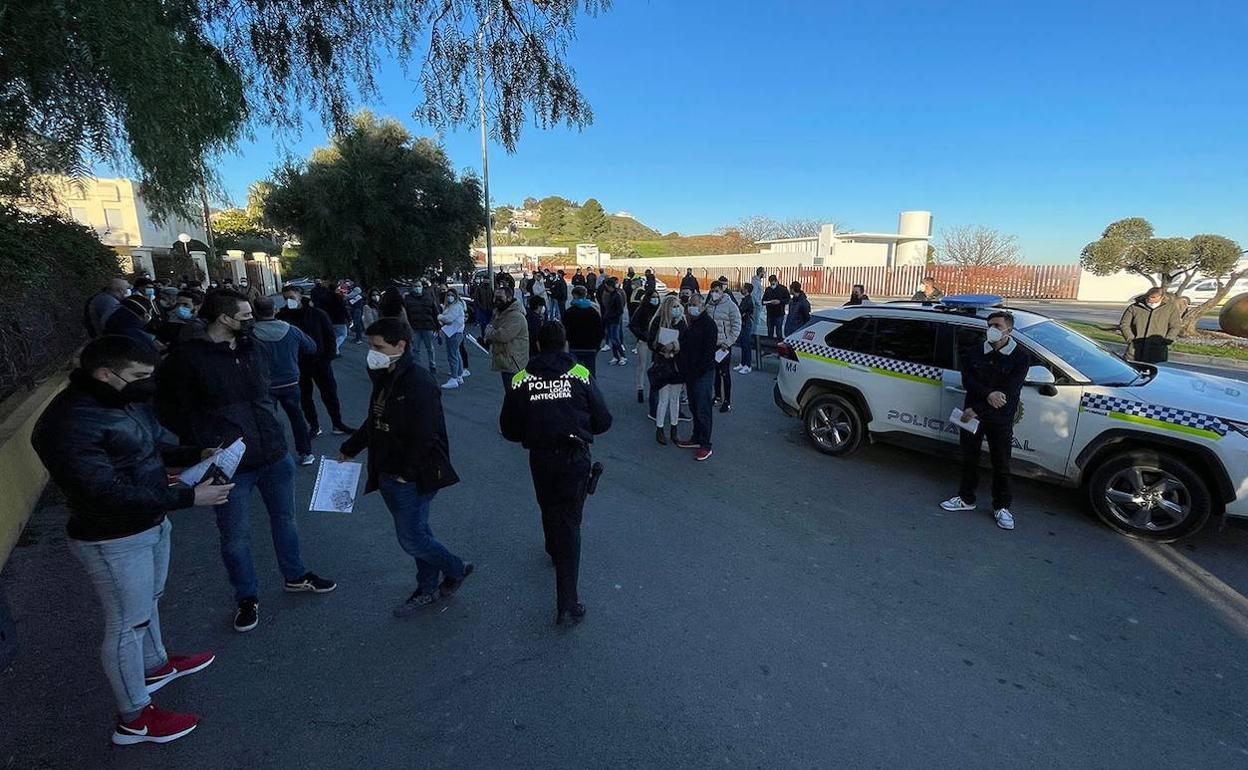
point(452, 319)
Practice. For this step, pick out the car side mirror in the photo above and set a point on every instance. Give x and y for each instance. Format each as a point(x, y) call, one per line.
point(1040, 375)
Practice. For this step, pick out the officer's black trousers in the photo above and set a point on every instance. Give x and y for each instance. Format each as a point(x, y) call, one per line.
point(560, 478)
point(1000, 438)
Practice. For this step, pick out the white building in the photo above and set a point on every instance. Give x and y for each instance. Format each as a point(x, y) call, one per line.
point(907, 246)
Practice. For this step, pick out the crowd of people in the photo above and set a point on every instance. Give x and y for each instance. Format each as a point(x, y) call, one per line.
point(174, 374)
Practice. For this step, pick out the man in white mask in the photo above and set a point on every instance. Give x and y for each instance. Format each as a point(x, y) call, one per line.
point(993, 376)
point(409, 459)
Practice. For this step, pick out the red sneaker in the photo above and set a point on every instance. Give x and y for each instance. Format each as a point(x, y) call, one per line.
point(154, 726)
point(702, 453)
point(177, 666)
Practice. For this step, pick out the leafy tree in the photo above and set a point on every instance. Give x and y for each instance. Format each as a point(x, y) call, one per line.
point(1218, 257)
point(244, 228)
point(554, 215)
point(977, 246)
point(530, 203)
point(74, 85)
point(377, 204)
point(591, 220)
point(502, 217)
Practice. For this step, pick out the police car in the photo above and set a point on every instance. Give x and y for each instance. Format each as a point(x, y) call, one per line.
point(1158, 450)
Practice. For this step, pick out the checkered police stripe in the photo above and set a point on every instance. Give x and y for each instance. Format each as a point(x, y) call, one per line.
point(888, 365)
point(1098, 402)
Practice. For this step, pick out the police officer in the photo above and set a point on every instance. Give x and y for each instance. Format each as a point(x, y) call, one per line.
point(555, 409)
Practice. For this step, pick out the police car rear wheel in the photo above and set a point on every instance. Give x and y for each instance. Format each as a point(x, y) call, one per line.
point(833, 424)
point(1150, 496)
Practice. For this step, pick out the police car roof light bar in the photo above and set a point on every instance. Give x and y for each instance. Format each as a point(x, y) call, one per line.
point(972, 301)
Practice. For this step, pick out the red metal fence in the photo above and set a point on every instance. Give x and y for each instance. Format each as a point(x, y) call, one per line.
point(1018, 282)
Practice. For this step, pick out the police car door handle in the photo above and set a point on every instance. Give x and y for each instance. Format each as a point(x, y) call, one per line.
point(955, 389)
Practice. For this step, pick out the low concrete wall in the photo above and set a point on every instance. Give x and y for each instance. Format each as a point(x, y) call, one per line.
point(22, 476)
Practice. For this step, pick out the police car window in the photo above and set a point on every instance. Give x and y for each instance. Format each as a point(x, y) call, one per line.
point(855, 334)
point(906, 339)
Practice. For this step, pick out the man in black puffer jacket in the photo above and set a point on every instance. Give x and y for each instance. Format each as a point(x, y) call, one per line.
point(696, 362)
point(409, 459)
point(554, 409)
point(422, 313)
point(212, 391)
point(315, 368)
point(102, 445)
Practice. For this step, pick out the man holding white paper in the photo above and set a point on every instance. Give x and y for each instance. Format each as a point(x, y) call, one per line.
point(408, 459)
point(993, 377)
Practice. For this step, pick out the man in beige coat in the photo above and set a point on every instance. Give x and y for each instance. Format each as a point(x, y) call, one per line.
point(1149, 325)
point(507, 335)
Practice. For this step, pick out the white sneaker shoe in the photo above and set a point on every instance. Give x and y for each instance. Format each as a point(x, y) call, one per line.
point(450, 384)
point(746, 370)
point(623, 362)
point(465, 374)
point(1004, 519)
point(956, 503)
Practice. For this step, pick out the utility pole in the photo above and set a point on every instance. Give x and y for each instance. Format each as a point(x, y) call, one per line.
point(203, 199)
point(485, 157)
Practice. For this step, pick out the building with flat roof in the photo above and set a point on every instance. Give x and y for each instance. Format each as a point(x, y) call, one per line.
point(907, 246)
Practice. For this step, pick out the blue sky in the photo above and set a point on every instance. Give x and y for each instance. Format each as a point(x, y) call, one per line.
point(1046, 119)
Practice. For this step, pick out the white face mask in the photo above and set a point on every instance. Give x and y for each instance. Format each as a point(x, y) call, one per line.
point(1154, 304)
point(378, 360)
point(715, 296)
point(995, 334)
point(292, 303)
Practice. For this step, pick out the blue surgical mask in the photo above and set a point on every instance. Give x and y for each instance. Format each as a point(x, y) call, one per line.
point(151, 293)
point(695, 311)
point(183, 312)
point(677, 311)
point(654, 300)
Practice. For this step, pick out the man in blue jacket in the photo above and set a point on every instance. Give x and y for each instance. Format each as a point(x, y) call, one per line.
point(993, 377)
point(102, 445)
point(282, 344)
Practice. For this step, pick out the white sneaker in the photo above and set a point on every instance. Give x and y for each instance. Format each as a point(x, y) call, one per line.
point(450, 384)
point(634, 350)
point(746, 370)
point(956, 503)
point(465, 374)
point(1004, 519)
point(739, 369)
point(623, 362)
point(604, 348)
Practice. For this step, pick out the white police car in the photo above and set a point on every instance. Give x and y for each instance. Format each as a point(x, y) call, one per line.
point(1157, 449)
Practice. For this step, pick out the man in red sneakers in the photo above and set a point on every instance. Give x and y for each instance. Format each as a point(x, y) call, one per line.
point(103, 447)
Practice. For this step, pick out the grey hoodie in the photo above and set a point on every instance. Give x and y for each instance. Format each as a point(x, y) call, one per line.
point(280, 344)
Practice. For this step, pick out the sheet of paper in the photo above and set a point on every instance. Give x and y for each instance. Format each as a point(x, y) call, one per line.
point(227, 460)
point(471, 340)
point(720, 355)
point(667, 336)
point(335, 487)
point(970, 426)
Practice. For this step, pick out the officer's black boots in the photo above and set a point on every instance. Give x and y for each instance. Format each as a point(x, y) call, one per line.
point(570, 617)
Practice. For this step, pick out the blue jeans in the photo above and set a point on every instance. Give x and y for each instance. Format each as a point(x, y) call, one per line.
point(615, 336)
point(276, 482)
point(410, 509)
point(129, 575)
point(423, 338)
point(553, 311)
point(289, 399)
point(357, 320)
point(775, 326)
point(453, 361)
point(746, 341)
point(340, 336)
point(700, 405)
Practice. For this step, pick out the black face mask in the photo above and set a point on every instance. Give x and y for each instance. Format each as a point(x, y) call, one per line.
point(136, 390)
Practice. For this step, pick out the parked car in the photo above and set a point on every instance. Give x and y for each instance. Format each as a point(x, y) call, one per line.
point(1205, 289)
point(1157, 450)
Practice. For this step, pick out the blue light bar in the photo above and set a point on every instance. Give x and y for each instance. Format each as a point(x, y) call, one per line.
point(972, 301)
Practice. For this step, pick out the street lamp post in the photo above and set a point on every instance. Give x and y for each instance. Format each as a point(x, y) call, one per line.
point(485, 157)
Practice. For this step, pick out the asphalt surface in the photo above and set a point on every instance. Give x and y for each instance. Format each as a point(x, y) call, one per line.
point(771, 607)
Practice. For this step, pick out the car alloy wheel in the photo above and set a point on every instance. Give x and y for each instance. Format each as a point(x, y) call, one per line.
point(1148, 499)
point(833, 424)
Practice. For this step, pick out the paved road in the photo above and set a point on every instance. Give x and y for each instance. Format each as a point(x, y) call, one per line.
point(1091, 312)
point(769, 608)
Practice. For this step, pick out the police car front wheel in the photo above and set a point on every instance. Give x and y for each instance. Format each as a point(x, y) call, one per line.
point(1150, 496)
point(833, 424)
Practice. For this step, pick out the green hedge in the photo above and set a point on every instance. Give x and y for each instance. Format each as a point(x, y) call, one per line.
point(49, 267)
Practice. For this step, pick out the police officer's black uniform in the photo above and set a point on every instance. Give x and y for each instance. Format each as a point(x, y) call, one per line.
point(555, 409)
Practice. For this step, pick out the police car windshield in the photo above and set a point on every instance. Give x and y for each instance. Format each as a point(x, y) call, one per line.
point(1093, 361)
